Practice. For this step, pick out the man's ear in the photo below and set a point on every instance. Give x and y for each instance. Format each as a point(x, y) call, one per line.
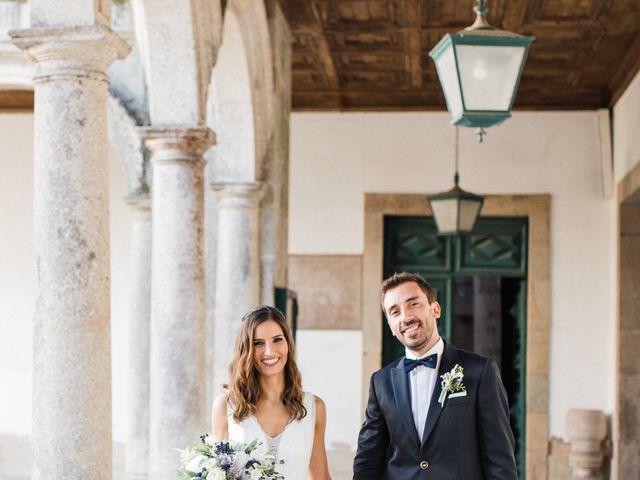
point(436, 309)
point(389, 325)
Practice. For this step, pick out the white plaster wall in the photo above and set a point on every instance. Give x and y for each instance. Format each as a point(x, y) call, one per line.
point(337, 157)
point(121, 224)
point(16, 272)
point(330, 362)
point(626, 125)
point(16, 278)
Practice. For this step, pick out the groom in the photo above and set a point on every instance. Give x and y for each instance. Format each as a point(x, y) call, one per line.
point(439, 413)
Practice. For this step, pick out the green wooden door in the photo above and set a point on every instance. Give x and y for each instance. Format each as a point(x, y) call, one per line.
point(487, 268)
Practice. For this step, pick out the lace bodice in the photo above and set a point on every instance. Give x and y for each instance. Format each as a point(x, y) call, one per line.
point(293, 445)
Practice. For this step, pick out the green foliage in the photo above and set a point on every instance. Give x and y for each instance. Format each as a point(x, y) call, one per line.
point(185, 474)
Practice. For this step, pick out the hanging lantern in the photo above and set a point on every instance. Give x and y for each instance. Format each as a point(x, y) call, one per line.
point(479, 69)
point(455, 211)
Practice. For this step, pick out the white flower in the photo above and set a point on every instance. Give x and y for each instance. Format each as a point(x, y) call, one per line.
point(451, 382)
point(242, 458)
point(216, 474)
point(210, 464)
point(226, 459)
point(197, 463)
point(261, 452)
point(255, 474)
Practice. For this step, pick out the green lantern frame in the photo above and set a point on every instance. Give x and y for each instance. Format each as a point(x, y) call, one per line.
point(479, 34)
point(455, 211)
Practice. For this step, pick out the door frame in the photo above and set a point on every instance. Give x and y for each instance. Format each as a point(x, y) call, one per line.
point(537, 209)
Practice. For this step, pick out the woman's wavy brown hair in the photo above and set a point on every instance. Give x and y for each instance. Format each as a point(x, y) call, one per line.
point(244, 387)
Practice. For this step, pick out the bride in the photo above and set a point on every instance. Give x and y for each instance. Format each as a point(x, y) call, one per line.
point(265, 401)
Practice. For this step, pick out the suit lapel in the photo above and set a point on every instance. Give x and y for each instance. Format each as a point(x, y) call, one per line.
point(401, 389)
point(449, 359)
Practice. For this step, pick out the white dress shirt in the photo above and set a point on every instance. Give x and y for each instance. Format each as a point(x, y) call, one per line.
point(423, 381)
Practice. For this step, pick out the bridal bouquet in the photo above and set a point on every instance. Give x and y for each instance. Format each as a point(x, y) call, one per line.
point(227, 460)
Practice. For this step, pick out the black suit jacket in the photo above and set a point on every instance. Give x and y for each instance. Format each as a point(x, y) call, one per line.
point(467, 439)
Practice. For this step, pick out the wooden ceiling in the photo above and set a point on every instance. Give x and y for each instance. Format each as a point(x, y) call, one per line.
point(374, 54)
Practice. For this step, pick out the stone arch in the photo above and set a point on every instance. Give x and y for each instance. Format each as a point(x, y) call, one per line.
point(241, 93)
point(230, 110)
point(178, 40)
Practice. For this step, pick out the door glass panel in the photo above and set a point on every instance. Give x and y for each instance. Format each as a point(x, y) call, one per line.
point(477, 320)
point(485, 321)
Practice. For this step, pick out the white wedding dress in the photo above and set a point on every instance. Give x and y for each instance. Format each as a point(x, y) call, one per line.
point(293, 445)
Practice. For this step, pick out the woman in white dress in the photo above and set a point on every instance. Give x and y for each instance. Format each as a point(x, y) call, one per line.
point(265, 401)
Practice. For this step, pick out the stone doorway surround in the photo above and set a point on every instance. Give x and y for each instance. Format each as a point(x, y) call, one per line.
point(537, 209)
point(626, 460)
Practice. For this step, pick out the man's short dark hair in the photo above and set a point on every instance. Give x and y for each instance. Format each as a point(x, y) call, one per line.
point(403, 277)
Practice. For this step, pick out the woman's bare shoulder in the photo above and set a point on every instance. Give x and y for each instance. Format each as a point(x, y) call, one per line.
point(319, 402)
point(220, 403)
point(219, 408)
point(219, 424)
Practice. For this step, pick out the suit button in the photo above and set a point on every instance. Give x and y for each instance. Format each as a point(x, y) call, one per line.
point(424, 465)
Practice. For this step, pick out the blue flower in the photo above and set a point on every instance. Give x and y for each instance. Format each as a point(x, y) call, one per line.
point(225, 463)
point(223, 448)
point(251, 463)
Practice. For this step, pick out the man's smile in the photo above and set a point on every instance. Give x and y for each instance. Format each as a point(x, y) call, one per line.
point(412, 327)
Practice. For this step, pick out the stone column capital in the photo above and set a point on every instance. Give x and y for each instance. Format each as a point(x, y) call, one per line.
point(70, 52)
point(171, 145)
point(239, 194)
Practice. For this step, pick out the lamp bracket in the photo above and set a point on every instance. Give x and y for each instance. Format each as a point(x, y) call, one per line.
point(481, 22)
point(480, 134)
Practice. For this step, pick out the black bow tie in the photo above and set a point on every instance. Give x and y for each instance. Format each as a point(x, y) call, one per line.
point(430, 361)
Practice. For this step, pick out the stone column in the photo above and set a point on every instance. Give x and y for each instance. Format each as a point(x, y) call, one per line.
point(71, 432)
point(587, 430)
point(137, 453)
point(238, 268)
point(177, 413)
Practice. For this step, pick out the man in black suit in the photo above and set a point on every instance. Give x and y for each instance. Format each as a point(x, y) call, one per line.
point(440, 413)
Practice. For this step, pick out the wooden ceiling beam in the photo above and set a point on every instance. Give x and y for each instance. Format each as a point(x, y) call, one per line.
point(414, 45)
point(626, 72)
point(306, 21)
point(16, 101)
point(369, 54)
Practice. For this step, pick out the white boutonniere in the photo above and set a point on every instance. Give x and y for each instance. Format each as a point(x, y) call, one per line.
point(452, 383)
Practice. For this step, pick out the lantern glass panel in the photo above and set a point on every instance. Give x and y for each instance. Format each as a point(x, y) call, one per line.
point(469, 210)
point(488, 75)
point(448, 74)
point(445, 211)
